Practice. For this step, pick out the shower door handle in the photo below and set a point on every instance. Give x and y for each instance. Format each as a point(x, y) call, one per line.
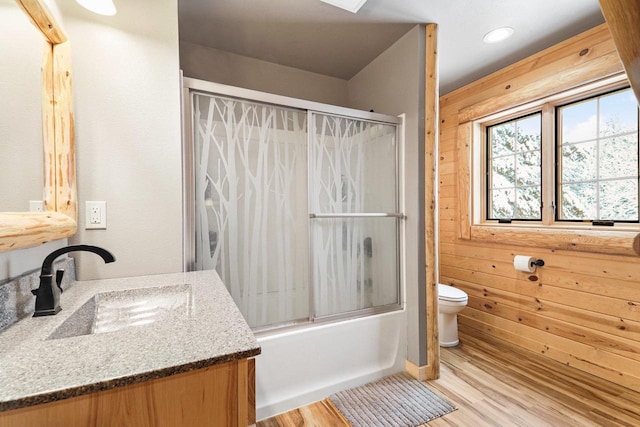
point(358, 215)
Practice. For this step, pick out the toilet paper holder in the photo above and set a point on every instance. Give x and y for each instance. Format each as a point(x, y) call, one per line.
point(526, 263)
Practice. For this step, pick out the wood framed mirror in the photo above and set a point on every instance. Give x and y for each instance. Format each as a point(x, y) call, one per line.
point(59, 217)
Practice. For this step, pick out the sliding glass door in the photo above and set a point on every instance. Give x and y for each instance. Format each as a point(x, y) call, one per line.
point(287, 197)
point(251, 189)
point(354, 214)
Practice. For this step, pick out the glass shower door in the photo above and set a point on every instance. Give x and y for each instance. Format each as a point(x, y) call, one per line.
point(353, 201)
point(251, 204)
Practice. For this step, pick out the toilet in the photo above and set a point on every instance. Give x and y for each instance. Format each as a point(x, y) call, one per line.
point(450, 302)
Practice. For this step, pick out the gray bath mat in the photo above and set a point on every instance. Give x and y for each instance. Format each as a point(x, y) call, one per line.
point(395, 401)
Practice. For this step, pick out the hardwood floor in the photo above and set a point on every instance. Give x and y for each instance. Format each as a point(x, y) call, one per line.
point(494, 383)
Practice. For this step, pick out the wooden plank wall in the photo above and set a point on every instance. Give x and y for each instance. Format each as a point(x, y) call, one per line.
point(581, 308)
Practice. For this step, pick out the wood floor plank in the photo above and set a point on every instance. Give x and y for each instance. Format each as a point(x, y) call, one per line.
point(494, 383)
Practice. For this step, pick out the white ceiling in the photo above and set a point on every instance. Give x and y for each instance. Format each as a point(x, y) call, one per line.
point(315, 36)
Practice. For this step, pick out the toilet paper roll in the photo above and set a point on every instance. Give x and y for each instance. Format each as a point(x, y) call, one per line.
point(524, 263)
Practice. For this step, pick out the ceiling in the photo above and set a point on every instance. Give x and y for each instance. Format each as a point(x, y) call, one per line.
point(314, 36)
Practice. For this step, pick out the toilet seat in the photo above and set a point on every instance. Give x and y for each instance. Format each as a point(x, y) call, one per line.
point(449, 293)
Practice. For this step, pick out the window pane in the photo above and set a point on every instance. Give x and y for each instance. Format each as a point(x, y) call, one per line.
point(599, 161)
point(503, 202)
point(579, 162)
point(580, 122)
point(503, 139)
point(578, 201)
point(503, 172)
point(618, 113)
point(528, 172)
point(528, 133)
point(515, 172)
point(528, 203)
point(615, 165)
point(619, 200)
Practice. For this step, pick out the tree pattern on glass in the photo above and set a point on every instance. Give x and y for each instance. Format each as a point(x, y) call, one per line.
point(353, 170)
point(251, 205)
point(599, 158)
point(514, 178)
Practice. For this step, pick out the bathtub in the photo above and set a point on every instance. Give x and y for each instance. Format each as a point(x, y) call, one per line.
point(306, 365)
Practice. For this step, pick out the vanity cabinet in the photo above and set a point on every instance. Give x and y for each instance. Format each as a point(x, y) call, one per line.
point(219, 395)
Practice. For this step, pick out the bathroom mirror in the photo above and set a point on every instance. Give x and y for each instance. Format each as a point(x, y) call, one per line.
point(20, 110)
point(57, 152)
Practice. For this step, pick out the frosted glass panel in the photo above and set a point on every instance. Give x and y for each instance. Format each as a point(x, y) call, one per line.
point(260, 173)
point(355, 264)
point(353, 166)
point(251, 205)
point(353, 171)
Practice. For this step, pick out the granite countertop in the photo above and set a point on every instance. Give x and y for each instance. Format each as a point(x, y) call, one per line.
point(194, 324)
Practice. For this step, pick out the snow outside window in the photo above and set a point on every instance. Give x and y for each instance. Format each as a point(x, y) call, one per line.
point(591, 174)
point(598, 158)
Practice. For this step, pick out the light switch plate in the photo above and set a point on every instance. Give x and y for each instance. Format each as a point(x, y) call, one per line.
point(95, 215)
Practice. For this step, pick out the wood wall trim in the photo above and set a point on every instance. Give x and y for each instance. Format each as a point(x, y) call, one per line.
point(596, 241)
point(431, 139)
point(417, 372)
point(623, 18)
point(463, 189)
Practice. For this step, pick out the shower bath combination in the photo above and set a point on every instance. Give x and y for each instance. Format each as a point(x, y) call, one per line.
point(296, 208)
point(296, 204)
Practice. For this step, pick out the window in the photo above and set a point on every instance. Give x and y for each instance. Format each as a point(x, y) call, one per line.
point(598, 158)
point(592, 175)
point(514, 169)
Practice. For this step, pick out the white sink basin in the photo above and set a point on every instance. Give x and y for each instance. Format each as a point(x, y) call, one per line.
point(112, 311)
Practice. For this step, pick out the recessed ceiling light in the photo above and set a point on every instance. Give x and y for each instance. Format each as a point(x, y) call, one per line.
point(498, 35)
point(352, 6)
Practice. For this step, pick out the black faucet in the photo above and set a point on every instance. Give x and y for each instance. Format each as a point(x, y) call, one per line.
point(47, 295)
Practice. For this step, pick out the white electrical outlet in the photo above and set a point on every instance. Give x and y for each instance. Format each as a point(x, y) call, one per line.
point(36, 206)
point(95, 215)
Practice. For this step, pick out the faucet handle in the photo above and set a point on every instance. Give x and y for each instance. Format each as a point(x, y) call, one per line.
point(59, 275)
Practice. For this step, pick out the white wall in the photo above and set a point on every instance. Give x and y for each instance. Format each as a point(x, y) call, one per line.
point(393, 84)
point(218, 66)
point(128, 135)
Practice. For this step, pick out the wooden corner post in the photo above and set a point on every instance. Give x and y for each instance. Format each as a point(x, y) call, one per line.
point(432, 127)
